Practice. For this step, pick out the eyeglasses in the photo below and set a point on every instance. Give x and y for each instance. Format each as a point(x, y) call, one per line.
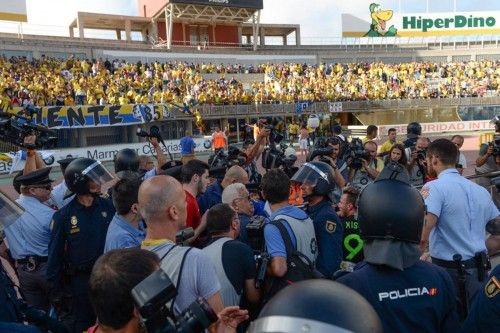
point(243, 198)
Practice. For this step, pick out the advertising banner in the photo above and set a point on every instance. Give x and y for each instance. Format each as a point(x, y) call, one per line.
point(103, 153)
point(385, 22)
point(13, 10)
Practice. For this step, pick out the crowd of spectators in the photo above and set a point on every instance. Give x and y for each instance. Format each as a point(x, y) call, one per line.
point(47, 81)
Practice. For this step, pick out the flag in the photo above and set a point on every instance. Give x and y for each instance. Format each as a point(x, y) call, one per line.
point(300, 106)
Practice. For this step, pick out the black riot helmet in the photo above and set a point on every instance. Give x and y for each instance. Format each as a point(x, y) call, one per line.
point(390, 208)
point(317, 174)
point(319, 306)
point(413, 130)
point(126, 160)
point(82, 170)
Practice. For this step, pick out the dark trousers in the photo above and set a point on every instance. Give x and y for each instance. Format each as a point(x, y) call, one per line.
point(78, 314)
point(34, 286)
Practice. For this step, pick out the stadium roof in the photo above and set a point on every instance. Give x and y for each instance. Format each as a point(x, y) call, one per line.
point(117, 23)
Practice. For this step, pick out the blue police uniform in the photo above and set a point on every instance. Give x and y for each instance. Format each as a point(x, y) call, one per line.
point(484, 314)
point(420, 298)
point(463, 209)
point(329, 232)
point(78, 238)
point(122, 235)
point(29, 238)
point(211, 197)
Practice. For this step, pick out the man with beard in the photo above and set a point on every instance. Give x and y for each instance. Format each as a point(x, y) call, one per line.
point(194, 182)
point(458, 211)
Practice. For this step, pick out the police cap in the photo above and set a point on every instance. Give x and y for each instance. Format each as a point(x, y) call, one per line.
point(38, 177)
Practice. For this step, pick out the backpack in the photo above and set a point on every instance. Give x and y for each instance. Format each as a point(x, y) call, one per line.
point(299, 267)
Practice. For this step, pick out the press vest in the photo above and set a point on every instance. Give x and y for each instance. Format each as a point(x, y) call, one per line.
point(304, 235)
point(229, 295)
point(218, 140)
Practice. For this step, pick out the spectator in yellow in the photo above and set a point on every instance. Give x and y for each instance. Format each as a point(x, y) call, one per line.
point(371, 133)
point(385, 148)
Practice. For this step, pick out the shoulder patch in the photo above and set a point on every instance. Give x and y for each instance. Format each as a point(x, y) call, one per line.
point(492, 288)
point(331, 226)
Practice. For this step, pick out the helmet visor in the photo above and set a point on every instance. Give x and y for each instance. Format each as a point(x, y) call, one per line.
point(97, 173)
point(10, 211)
point(309, 174)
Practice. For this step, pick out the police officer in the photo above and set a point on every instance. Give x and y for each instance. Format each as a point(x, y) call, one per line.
point(458, 211)
point(318, 306)
point(408, 294)
point(60, 194)
point(318, 182)
point(126, 160)
point(413, 131)
point(77, 240)
point(29, 237)
point(484, 314)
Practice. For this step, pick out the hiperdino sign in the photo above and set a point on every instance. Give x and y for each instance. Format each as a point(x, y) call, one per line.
point(384, 22)
point(454, 22)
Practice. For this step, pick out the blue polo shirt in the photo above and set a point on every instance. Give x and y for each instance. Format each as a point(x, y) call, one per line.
point(122, 235)
point(211, 197)
point(274, 242)
point(463, 209)
point(187, 145)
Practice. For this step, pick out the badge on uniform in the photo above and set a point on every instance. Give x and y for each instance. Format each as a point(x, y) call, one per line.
point(74, 225)
point(331, 226)
point(492, 287)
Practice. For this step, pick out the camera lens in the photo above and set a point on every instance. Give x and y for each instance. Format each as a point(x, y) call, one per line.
point(197, 317)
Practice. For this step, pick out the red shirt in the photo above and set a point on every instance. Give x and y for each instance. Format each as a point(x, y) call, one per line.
point(193, 217)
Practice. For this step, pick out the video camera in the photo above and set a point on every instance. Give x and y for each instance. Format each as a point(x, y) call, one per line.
point(220, 159)
point(151, 297)
point(255, 232)
point(14, 128)
point(183, 235)
point(321, 148)
point(356, 152)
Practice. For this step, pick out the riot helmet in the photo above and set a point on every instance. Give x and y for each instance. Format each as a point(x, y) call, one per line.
point(319, 306)
point(390, 208)
point(126, 160)
point(81, 171)
point(317, 174)
point(413, 130)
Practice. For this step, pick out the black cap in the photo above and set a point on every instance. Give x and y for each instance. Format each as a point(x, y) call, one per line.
point(171, 164)
point(65, 162)
point(38, 177)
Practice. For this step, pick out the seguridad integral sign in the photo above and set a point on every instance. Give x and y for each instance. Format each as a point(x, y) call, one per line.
point(384, 22)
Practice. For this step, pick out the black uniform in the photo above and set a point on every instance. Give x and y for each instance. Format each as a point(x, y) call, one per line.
point(78, 237)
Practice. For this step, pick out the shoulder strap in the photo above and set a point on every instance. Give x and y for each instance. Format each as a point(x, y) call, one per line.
point(286, 238)
point(179, 278)
point(170, 250)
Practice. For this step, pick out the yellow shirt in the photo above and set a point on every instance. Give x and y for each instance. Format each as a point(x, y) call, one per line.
point(387, 145)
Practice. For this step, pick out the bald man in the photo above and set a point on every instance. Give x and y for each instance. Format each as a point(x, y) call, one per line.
point(162, 203)
point(213, 194)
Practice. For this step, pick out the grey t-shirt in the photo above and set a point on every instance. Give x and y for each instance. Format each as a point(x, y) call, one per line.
point(198, 278)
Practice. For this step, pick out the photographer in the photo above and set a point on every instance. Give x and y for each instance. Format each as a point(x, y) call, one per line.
point(458, 140)
point(298, 226)
point(340, 170)
point(237, 196)
point(234, 261)
point(488, 161)
point(370, 166)
point(111, 296)
point(162, 203)
point(416, 161)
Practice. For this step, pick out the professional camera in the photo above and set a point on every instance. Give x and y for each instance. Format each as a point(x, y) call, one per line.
point(255, 232)
point(154, 132)
point(151, 297)
point(356, 152)
point(275, 137)
point(220, 159)
point(14, 128)
point(183, 235)
point(274, 157)
point(321, 148)
point(496, 145)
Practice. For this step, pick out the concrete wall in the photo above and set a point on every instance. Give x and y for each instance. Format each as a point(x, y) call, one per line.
point(152, 7)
